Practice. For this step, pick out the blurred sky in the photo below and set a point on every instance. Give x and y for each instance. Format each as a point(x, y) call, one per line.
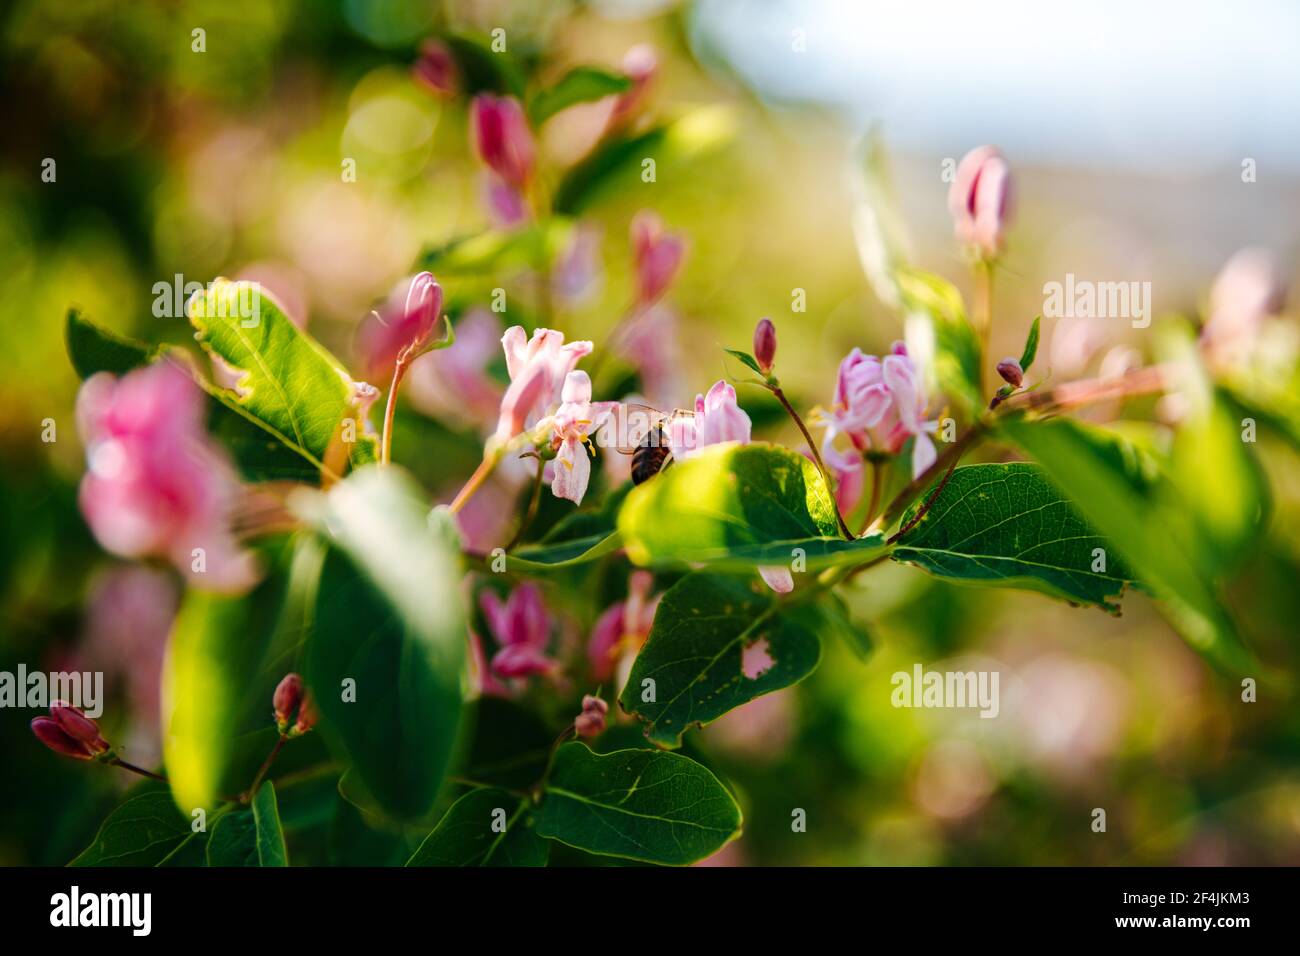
point(1152, 86)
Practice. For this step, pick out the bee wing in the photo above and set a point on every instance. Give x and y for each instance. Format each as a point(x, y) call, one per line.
point(628, 425)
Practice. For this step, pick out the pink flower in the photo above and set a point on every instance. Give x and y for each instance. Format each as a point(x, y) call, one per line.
point(980, 199)
point(878, 403)
point(502, 138)
point(506, 204)
point(49, 732)
point(538, 368)
point(578, 272)
point(454, 382)
point(575, 419)
point(522, 628)
point(436, 69)
point(591, 722)
point(1246, 292)
point(155, 484)
point(407, 318)
point(640, 65)
point(623, 627)
point(657, 254)
point(717, 419)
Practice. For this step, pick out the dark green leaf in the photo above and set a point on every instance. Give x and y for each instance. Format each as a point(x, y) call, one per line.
point(481, 68)
point(143, 831)
point(251, 837)
point(1122, 501)
point(692, 668)
point(388, 617)
point(485, 827)
point(1031, 345)
point(640, 804)
point(582, 84)
point(93, 349)
point(1009, 525)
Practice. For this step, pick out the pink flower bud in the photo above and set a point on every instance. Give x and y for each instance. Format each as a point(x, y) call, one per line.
point(78, 726)
point(49, 732)
point(287, 697)
point(765, 344)
point(591, 722)
point(980, 199)
point(658, 255)
point(436, 68)
point(405, 320)
point(308, 715)
point(502, 138)
point(1011, 372)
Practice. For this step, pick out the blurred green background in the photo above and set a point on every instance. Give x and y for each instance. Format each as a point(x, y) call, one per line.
point(227, 162)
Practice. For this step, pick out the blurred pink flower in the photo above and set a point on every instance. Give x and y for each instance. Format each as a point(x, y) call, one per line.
point(980, 199)
point(522, 628)
point(408, 316)
point(717, 419)
point(454, 383)
point(591, 722)
point(537, 368)
point(640, 64)
point(576, 418)
point(623, 627)
point(502, 138)
point(652, 344)
point(578, 272)
point(1247, 291)
point(156, 485)
point(657, 254)
point(506, 204)
point(435, 68)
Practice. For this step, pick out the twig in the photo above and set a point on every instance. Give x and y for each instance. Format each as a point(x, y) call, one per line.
point(817, 457)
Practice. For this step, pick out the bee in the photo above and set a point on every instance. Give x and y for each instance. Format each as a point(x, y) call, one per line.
point(646, 431)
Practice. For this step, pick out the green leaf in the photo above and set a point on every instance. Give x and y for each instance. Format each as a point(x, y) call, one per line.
point(1121, 501)
point(1009, 525)
point(746, 359)
point(251, 837)
point(142, 831)
point(616, 163)
point(643, 805)
point(695, 654)
point(485, 827)
point(739, 506)
point(582, 84)
point(388, 617)
point(289, 383)
point(956, 348)
point(93, 349)
point(497, 249)
point(1031, 345)
point(217, 645)
point(562, 554)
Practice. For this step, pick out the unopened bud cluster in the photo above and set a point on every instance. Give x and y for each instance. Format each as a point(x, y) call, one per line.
point(292, 700)
point(70, 732)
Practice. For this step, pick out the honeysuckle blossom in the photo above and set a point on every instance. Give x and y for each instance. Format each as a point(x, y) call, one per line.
point(435, 68)
point(576, 418)
point(980, 199)
point(522, 628)
point(538, 368)
point(591, 722)
point(623, 627)
point(408, 316)
point(879, 403)
point(156, 485)
point(717, 419)
point(657, 255)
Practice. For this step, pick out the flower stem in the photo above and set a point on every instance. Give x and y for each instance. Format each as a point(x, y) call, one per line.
point(875, 497)
point(928, 502)
point(265, 768)
point(817, 457)
point(390, 407)
point(947, 459)
point(532, 507)
point(119, 762)
point(984, 315)
point(475, 482)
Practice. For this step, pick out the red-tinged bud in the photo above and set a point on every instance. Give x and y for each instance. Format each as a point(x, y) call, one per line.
point(288, 695)
point(48, 732)
point(436, 68)
point(78, 726)
point(1011, 372)
point(308, 715)
point(502, 138)
point(765, 344)
point(591, 722)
